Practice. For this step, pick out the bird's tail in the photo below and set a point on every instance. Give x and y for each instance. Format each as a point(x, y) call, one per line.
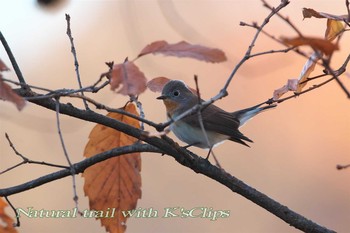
point(248, 113)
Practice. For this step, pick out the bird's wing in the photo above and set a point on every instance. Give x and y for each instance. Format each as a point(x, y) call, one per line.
point(217, 120)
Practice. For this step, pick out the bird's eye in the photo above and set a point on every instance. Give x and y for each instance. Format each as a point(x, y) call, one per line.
point(176, 93)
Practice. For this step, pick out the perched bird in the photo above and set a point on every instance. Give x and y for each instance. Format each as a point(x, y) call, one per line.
point(219, 125)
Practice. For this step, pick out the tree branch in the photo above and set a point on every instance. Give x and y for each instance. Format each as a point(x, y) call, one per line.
point(78, 168)
point(12, 59)
point(25, 160)
point(74, 52)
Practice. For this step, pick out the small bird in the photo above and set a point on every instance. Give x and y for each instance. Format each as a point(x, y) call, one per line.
point(219, 125)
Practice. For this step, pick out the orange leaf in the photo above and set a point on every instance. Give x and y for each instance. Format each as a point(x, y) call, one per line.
point(116, 182)
point(7, 94)
point(322, 45)
point(157, 84)
point(334, 29)
point(184, 49)
point(128, 75)
point(7, 226)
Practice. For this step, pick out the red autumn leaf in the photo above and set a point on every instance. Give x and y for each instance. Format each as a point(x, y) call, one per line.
point(184, 49)
point(116, 182)
point(7, 94)
point(129, 77)
point(322, 45)
point(308, 13)
point(157, 84)
point(7, 226)
point(153, 47)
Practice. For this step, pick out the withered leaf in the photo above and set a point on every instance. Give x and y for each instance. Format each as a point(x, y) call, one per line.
point(322, 45)
point(297, 85)
point(334, 29)
point(306, 71)
point(128, 79)
point(290, 86)
point(157, 84)
point(184, 49)
point(7, 94)
point(308, 13)
point(7, 226)
point(116, 182)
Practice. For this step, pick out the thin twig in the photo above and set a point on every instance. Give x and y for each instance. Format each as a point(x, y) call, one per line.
point(335, 74)
point(12, 59)
point(295, 49)
point(76, 64)
point(313, 78)
point(24, 85)
point(283, 17)
point(272, 52)
point(142, 113)
point(348, 9)
point(18, 223)
point(25, 159)
point(71, 167)
point(274, 11)
point(70, 93)
point(12, 167)
point(59, 92)
point(201, 124)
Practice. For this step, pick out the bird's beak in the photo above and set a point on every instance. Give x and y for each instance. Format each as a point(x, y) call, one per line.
point(162, 97)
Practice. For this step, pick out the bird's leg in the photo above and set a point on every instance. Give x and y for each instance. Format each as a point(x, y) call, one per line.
point(189, 145)
point(215, 159)
point(210, 149)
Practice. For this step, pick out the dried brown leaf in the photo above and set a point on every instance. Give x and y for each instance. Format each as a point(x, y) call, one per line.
point(157, 84)
point(322, 45)
point(290, 86)
point(153, 47)
point(115, 183)
point(184, 49)
point(308, 13)
point(7, 94)
point(128, 78)
point(297, 85)
point(7, 226)
point(306, 71)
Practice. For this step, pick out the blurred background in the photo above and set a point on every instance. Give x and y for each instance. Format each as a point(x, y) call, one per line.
point(297, 145)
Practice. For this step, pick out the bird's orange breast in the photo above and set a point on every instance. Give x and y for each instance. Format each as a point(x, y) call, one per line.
point(171, 106)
